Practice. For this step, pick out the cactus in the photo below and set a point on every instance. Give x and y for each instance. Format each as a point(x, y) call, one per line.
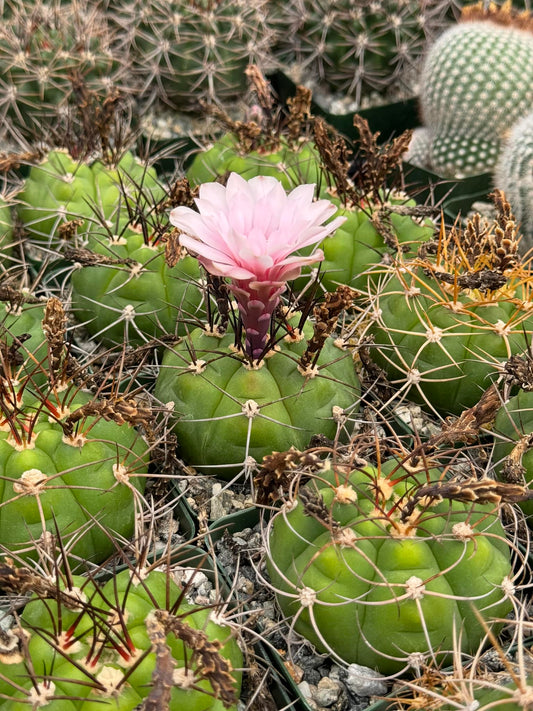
point(444, 323)
point(230, 414)
point(377, 568)
point(71, 464)
point(61, 193)
point(185, 52)
point(514, 175)
point(512, 429)
point(125, 288)
point(89, 645)
point(44, 49)
point(476, 81)
point(292, 164)
point(357, 47)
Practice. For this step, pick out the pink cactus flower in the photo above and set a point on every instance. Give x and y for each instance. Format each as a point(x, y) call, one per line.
point(248, 232)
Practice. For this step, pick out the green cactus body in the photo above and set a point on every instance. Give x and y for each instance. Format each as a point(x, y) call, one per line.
point(476, 82)
point(444, 350)
point(6, 235)
point(351, 254)
point(53, 477)
point(514, 175)
point(291, 164)
point(184, 52)
point(61, 189)
point(141, 299)
point(125, 189)
point(21, 321)
point(84, 660)
point(513, 422)
point(443, 324)
point(378, 586)
point(57, 190)
point(228, 412)
point(358, 47)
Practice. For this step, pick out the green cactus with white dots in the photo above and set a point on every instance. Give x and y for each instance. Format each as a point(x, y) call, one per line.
point(476, 82)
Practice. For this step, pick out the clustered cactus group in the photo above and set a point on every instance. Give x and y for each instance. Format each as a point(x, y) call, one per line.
point(280, 316)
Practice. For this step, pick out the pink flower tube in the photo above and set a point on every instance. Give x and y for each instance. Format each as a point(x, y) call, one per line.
point(248, 232)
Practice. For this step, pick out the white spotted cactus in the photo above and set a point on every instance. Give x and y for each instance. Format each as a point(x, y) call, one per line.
point(377, 568)
point(476, 82)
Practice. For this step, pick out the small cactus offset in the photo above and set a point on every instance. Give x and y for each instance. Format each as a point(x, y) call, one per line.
point(514, 175)
point(444, 322)
point(386, 567)
point(358, 47)
point(476, 82)
point(186, 52)
point(82, 645)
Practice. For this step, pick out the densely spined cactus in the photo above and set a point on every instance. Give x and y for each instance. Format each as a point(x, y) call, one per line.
point(82, 645)
point(378, 568)
point(476, 82)
point(45, 47)
point(359, 47)
point(514, 175)
point(61, 192)
point(443, 323)
point(185, 51)
point(71, 463)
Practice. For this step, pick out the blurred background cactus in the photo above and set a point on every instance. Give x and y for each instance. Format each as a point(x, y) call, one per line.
point(48, 51)
point(186, 52)
point(367, 49)
point(476, 82)
point(514, 175)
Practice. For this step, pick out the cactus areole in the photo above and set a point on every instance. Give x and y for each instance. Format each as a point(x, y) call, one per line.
point(378, 571)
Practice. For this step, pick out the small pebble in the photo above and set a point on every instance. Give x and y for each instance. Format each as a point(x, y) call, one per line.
point(327, 691)
point(362, 681)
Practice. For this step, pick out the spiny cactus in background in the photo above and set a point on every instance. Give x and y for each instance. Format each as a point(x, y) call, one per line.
point(45, 49)
point(81, 645)
point(514, 175)
point(71, 464)
point(186, 52)
point(476, 82)
point(358, 47)
point(126, 288)
point(386, 566)
point(445, 321)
